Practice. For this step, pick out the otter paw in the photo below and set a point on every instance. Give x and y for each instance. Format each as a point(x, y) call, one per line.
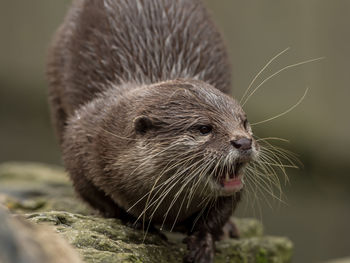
point(201, 248)
point(230, 230)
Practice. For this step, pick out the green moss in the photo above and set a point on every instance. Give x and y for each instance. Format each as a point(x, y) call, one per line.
point(262, 257)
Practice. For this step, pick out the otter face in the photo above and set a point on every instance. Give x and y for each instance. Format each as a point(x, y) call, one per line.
point(228, 146)
point(203, 137)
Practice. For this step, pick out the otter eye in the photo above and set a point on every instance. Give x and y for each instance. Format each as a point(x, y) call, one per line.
point(245, 124)
point(205, 129)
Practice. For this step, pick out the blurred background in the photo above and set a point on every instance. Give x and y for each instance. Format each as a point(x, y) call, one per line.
point(315, 213)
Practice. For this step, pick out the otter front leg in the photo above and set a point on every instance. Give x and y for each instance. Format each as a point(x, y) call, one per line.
point(230, 230)
point(201, 247)
point(209, 228)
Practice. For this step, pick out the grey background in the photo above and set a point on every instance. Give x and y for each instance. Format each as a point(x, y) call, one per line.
point(315, 213)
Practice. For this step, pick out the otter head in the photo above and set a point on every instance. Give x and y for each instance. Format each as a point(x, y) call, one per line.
point(194, 136)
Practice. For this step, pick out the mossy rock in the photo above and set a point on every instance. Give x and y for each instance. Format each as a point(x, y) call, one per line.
point(44, 195)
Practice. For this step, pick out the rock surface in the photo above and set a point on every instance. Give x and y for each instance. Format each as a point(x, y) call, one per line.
point(44, 195)
point(23, 242)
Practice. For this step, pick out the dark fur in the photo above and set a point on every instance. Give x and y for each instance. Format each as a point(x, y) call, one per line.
point(103, 63)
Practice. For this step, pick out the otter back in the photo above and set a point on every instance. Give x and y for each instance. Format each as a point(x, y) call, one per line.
point(118, 41)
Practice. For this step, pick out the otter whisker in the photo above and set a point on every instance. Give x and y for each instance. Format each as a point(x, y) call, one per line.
point(210, 176)
point(288, 155)
point(268, 176)
point(150, 193)
point(266, 167)
point(259, 189)
point(259, 197)
point(271, 157)
point(204, 203)
point(271, 138)
point(280, 165)
point(160, 200)
point(267, 158)
point(165, 170)
point(203, 175)
point(279, 71)
point(261, 71)
point(158, 139)
point(205, 207)
point(194, 174)
point(186, 180)
point(200, 179)
point(154, 187)
point(262, 185)
point(248, 193)
point(279, 153)
point(148, 159)
point(275, 150)
point(181, 164)
point(133, 139)
point(177, 215)
point(259, 181)
point(165, 192)
point(172, 178)
point(265, 174)
point(213, 200)
point(267, 170)
point(253, 193)
point(285, 112)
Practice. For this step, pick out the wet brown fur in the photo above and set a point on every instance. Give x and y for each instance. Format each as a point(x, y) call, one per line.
point(130, 81)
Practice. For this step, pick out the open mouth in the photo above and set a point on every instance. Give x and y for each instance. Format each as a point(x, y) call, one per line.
point(230, 177)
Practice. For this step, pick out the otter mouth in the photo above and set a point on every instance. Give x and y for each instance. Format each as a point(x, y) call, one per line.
point(230, 178)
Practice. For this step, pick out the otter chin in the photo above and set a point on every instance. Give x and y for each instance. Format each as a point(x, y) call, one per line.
point(139, 100)
point(229, 179)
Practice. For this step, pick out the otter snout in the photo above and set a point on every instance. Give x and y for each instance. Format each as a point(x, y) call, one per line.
point(242, 144)
point(245, 147)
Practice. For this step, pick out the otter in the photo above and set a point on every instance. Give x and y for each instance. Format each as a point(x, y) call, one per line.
point(139, 99)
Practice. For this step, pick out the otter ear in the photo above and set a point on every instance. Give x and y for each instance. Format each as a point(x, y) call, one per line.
point(142, 124)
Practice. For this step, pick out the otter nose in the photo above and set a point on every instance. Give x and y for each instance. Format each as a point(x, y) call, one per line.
point(242, 143)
